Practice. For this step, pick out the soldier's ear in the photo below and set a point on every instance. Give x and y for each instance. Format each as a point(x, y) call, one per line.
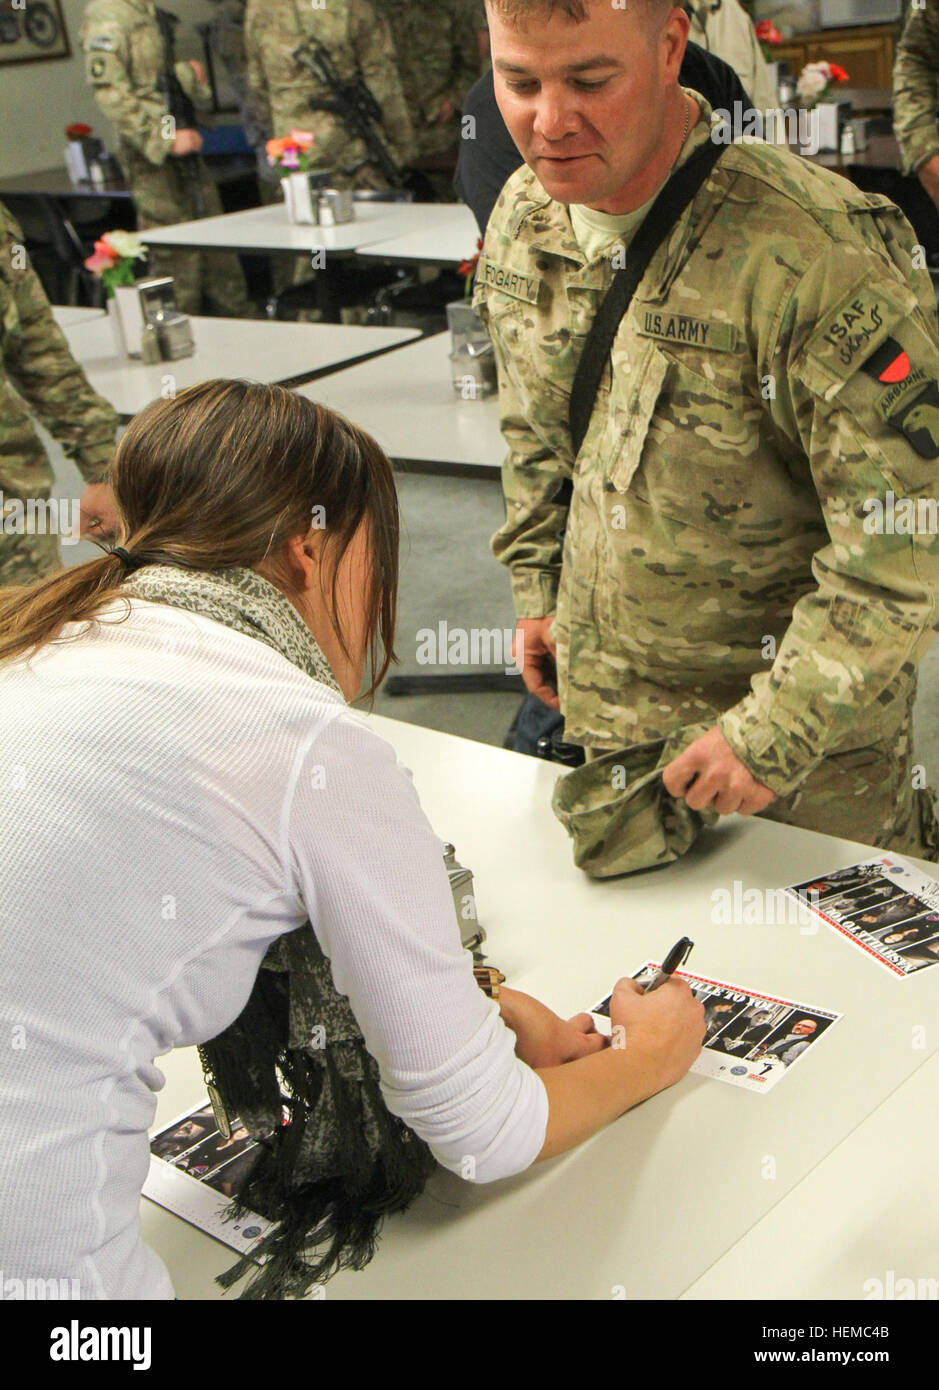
point(672, 37)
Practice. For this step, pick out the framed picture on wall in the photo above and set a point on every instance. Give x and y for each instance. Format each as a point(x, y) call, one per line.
point(32, 31)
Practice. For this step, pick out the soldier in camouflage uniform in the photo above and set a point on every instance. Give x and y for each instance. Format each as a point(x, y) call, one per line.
point(438, 59)
point(228, 44)
point(124, 61)
point(727, 31)
point(37, 369)
point(359, 43)
point(477, 9)
point(915, 76)
point(708, 557)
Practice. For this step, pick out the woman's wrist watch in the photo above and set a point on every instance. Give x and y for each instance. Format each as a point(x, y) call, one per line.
point(488, 979)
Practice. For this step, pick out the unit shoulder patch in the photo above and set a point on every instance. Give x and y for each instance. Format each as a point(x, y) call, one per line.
point(910, 403)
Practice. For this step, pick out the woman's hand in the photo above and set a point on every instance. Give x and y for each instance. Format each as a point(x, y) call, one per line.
point(543, 1039)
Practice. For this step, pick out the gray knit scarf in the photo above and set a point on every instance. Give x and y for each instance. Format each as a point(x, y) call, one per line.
point(294, 1066)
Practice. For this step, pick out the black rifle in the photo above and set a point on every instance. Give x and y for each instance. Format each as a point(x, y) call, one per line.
point(180, 108)
point(355, 106)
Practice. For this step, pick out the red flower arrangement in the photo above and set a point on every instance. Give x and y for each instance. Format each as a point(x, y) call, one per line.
point(468, 268)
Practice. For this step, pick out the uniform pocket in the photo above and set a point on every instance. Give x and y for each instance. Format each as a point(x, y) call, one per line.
point(632, 402)
point(698, 452)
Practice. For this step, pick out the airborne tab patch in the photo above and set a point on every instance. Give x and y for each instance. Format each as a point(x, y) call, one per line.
point(515, 283)
point(682, 328)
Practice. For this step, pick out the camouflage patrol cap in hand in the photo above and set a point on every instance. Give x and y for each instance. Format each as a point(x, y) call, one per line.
point(618, 813)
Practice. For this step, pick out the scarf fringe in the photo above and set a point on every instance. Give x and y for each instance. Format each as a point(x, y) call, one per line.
point(333, 1102)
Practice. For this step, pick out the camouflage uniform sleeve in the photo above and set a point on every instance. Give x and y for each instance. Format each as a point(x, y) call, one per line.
point(855, 371)
point(199, 93)
point(537, 471)
point(41, 367)
point(915, 75)
point(378, 62)
point(137, 120)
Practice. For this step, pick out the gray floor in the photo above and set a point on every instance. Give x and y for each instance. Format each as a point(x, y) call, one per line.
point(448, 573)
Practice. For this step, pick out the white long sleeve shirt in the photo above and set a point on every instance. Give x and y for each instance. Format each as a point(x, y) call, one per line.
point(175, 796)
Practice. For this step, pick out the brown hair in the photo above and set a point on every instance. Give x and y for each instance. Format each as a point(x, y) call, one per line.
point(518, 11)
point(222, 477)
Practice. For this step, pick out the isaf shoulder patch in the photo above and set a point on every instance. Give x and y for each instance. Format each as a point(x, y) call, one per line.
point(847, 336)
point(910, 402)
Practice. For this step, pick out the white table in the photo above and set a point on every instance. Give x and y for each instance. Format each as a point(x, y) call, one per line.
point(446, 245)
point(267, 229)
point(66, 315)
point(258, 350)
point(885, 1217)
point(650, 1205)
point(407, 401)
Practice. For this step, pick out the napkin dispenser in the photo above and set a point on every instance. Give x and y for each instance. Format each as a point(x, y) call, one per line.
point(464, 900)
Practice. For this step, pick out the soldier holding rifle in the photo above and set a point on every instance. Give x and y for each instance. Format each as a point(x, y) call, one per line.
point(150, 99)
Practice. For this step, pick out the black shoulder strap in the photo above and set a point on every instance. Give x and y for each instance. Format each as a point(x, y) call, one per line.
point(661, 217)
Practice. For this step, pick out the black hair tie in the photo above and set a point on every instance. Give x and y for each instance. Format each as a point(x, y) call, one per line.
point(130, 562)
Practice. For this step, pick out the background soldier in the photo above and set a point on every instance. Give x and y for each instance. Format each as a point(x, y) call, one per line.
point(478, 10)
point(438, 60)
point(703, 558)
point(915, 76)
point(724, 28)
point(228, 44)
point(359, 43)
point(36, 361)
point(125, 62)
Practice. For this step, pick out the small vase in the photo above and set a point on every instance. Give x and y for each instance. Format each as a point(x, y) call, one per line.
point(826, 119)
point(117, 327)
point(131, 312)
point(302, 202)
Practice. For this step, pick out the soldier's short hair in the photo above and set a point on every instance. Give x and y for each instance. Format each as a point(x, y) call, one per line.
point(517, 11)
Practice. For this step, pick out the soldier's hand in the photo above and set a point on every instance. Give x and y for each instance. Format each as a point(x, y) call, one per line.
point(534, 653)
point(99, 518)
point(187, 142)
point(708, 775)
point(928, 175)
point(446, 114)
point(199, 70)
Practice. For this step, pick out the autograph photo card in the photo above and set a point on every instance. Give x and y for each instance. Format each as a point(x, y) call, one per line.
point(195, 1172)
point(884, 906)
point(752, 1039)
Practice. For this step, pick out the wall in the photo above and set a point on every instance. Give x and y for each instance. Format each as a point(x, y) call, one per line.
point(38, 100)
point(789, 16)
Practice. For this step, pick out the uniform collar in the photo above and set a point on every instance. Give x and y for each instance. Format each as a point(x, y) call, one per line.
point(544, 224)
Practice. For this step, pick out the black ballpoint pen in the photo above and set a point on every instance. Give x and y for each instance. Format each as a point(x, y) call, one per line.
point(676, 957)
